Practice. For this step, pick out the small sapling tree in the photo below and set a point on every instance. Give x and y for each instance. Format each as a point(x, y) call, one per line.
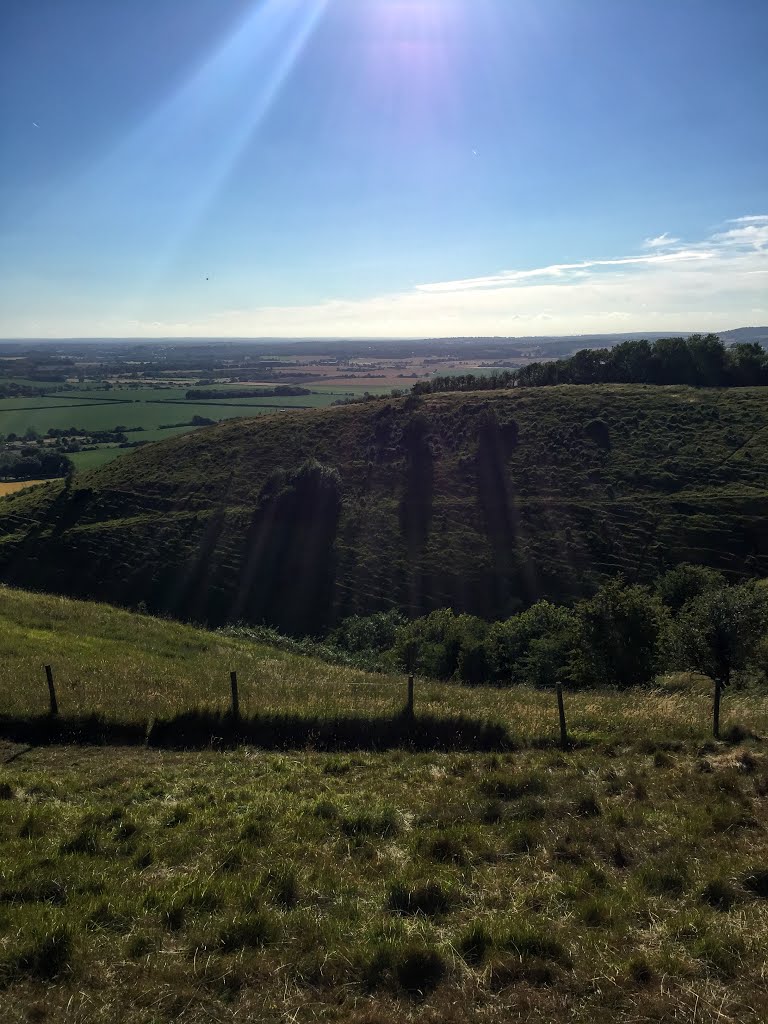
point(721, 630)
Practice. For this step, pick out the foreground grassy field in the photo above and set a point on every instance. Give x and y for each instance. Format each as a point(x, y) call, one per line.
point(612, 884)
point(625, 880)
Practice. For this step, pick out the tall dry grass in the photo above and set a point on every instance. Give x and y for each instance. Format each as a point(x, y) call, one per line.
point(132, 668)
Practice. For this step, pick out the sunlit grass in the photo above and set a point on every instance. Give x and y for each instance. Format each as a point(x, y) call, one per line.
point(256, 886)
point(624, 880)
point(133, 668)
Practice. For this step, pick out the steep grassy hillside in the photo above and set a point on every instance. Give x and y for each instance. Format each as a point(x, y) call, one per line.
point(482, 501)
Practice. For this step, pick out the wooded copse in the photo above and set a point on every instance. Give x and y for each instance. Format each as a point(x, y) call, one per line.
point(626, 635)
point(698, 361)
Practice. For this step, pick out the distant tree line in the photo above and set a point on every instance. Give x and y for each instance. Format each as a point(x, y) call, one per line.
point(210, 394)
point(196, 421)
point(700, 361)
point(10, 389)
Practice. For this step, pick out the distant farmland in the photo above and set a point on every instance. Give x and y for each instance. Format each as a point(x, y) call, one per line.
point(150, 414)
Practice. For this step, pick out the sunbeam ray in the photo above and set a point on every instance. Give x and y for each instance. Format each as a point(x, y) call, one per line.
point(206, 124)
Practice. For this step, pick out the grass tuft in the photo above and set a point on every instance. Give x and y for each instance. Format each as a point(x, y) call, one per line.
point(430, 899)
point(475, 944)
point(419, 970)
point(720, 893)
point(756, 882)
point(47, 955)
point(248, 931)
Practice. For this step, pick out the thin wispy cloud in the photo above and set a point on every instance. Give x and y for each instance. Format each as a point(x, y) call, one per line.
point(660, 241)
point(561, 270)
point(758, 218)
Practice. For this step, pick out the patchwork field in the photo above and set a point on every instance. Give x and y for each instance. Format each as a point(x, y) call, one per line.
point(148, 408)
point(148, 413)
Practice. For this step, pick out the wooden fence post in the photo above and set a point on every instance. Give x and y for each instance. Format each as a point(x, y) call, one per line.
point(51, 690)
point(409, 706)
point(561, 713)
point(235, 697)
point(716, 710)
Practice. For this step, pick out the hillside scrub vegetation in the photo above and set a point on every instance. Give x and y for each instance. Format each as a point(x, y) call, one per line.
point(626, 635)
point(486, 503)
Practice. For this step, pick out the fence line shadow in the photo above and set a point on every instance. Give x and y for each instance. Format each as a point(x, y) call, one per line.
point(200, 730)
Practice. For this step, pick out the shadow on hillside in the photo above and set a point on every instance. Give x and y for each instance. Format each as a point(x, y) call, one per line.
point(199, 730)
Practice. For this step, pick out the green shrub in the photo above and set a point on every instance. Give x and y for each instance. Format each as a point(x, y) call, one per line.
point(368, 634)
point(683, 584)
point(535, 646)
point(431, 645)
point(721, 630)
point(621, 631)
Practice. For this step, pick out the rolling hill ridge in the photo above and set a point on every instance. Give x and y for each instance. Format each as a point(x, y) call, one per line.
point(483, 501)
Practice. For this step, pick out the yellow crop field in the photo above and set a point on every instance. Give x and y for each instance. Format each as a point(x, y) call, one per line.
point(11, 486)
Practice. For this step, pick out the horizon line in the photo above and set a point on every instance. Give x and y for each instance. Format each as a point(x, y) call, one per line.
point(309, 339)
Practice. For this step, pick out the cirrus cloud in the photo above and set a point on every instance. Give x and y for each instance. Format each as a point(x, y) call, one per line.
point(712, 283)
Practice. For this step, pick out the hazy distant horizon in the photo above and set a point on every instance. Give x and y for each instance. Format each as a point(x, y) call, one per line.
point(352, 339)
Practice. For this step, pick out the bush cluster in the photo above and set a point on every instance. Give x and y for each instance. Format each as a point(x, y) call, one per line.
point(624, 635)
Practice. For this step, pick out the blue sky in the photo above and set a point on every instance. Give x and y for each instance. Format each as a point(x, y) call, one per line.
point(382, 167)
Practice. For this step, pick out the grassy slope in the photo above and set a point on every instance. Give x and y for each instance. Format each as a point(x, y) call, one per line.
point(132, 668)
point(685, 478)
point(617, 883)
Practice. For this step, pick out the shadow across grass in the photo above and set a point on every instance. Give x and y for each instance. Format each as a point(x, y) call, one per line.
point(198, 730)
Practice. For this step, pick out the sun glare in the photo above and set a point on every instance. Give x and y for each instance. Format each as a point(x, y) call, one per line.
point(412, 54)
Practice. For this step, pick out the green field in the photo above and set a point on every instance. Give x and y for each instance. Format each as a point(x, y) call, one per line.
point(97, 457)
point(48, 413)
point(623, 881)
point(93, 409)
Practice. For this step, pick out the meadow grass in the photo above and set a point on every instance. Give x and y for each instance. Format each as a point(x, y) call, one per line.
point(623, 880)
point(149, 886)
